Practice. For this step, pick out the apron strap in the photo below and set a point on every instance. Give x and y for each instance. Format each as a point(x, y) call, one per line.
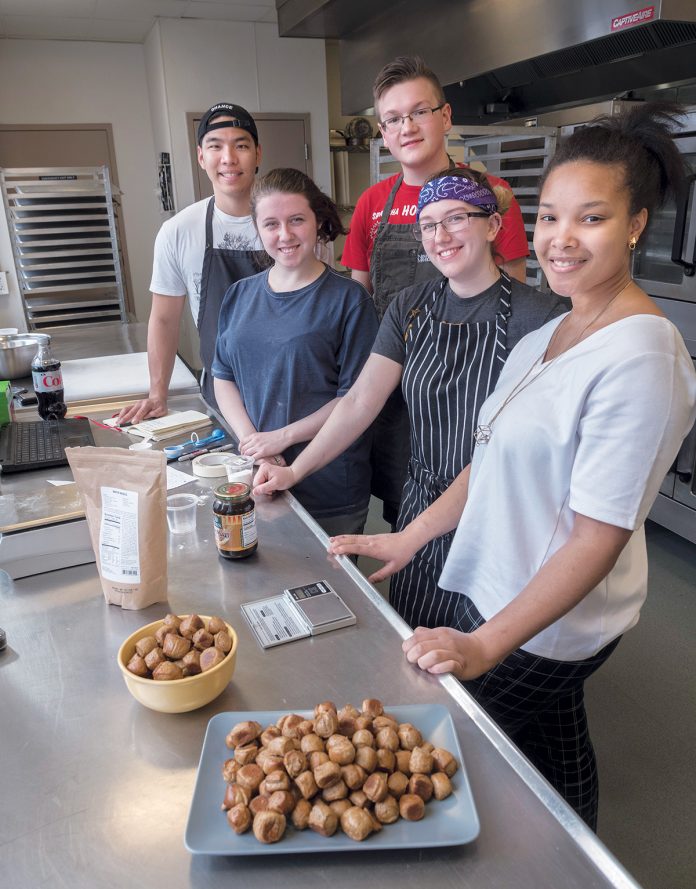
point(209, 224)
point(386, 213)
point(502, 316)
point(415, 317)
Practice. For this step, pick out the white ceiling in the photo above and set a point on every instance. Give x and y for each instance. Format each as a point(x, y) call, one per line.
point(120, 21)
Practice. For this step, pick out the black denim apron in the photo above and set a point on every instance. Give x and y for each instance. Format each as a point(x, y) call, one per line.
point(397, 261)
point(221, 269)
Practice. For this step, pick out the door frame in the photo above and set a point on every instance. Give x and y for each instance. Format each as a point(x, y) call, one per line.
point(115, 187)
point(192, 117)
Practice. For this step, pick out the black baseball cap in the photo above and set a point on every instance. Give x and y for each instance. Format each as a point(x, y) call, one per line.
point(240, 118)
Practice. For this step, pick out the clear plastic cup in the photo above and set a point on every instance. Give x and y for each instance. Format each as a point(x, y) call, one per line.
point(240, 469)
point(181, 513)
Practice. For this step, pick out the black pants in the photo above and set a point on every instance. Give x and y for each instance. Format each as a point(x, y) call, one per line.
point(539, 704)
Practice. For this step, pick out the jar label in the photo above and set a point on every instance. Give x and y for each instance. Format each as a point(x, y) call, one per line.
point(235, 533)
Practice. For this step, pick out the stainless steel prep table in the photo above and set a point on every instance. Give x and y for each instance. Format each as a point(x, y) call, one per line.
point(105, 340)
point(94, 341)
point(96, 788)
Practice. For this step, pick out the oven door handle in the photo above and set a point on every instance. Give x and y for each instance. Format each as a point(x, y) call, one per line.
point(686, 458)
point(680, 229)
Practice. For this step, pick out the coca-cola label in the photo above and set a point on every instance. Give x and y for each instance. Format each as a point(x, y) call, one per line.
point(47, 380)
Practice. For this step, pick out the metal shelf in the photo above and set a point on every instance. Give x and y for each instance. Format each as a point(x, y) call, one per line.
point(65, 245)
point(499, 150)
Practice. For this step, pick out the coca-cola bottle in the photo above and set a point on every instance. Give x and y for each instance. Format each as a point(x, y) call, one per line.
point(48, 382)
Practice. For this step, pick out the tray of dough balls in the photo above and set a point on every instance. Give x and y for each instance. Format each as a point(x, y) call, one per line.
point(331, 780)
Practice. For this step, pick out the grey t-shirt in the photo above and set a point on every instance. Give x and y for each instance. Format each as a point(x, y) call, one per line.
point(291, 353)
point(529, 310)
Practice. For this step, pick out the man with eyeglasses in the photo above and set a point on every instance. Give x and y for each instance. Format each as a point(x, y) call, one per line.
point(380, 249)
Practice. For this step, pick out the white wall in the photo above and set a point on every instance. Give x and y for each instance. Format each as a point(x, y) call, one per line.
point(202, 63)
point(246, 63)
point(53, 81)
point(145, 91)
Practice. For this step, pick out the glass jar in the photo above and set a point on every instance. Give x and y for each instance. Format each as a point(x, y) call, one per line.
point(234, 519)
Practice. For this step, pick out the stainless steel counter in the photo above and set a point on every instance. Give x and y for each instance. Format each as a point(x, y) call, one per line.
point(93, 341)
point(101, 367)
point(96, 788)
point(26, 499)
point(98, 340)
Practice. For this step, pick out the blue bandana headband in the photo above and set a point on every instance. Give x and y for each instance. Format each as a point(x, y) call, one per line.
point(457, 188)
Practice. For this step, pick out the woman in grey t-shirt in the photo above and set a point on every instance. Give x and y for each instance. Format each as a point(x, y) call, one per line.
point(291, 342)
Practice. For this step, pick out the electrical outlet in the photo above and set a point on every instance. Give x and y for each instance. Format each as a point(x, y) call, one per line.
point(4, 290)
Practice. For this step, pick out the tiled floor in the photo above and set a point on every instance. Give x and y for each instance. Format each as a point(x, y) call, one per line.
point(642, 709)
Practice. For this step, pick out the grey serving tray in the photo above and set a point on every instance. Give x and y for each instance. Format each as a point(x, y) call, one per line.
point(448, 822)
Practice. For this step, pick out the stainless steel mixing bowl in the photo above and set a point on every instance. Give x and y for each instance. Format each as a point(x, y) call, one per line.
point(17, 350)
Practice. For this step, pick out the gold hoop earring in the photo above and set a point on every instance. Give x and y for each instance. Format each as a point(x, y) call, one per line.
point(632, 243)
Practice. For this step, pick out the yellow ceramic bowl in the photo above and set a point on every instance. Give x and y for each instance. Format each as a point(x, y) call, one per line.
point(177, 695)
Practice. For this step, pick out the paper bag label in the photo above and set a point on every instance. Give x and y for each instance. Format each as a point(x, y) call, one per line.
point(118, 535)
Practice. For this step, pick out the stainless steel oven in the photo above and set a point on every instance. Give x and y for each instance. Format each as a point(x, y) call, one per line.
point(664, 262)
point(675, 507)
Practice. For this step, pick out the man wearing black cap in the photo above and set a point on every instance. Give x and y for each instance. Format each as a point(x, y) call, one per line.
point(201, 251)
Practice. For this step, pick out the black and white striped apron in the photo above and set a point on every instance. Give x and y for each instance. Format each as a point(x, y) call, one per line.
point(449, 371)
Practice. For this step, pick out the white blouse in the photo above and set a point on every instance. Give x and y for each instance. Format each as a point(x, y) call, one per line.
point(592, 432)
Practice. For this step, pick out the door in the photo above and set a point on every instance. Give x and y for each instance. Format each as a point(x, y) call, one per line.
point(284, 141)
point(72, 145)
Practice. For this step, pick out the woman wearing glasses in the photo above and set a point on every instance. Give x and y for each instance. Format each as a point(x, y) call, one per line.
point(444, 341)
point(415, 119)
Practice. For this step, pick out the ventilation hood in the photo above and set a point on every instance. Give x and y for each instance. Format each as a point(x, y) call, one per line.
point(506, 58)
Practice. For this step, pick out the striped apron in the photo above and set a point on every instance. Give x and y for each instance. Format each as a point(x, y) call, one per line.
point(449, 371)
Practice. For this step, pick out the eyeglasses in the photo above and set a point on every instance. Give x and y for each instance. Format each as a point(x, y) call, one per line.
point(421, 115)
point(427, 231)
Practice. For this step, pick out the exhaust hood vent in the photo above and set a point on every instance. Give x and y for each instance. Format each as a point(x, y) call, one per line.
point(599, 52)
point(675, 33)
point(616, 48)
point(531, 55)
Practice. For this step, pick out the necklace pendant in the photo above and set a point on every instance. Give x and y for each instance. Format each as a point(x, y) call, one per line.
point(482, 434)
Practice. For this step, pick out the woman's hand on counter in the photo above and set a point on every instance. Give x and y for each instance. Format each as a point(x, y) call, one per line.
point(395, 550)
point(444, 650)
point(261, 445)
point(273, 475)
point(145, 409)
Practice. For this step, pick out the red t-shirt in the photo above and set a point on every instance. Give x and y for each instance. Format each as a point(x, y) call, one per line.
point(510, 244)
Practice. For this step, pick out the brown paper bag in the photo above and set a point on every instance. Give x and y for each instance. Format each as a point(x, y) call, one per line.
point(125, 499)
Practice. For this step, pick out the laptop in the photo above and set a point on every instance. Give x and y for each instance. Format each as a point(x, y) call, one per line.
point(42, 444)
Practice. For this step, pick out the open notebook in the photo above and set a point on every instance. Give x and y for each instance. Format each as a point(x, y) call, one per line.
point(170, 426)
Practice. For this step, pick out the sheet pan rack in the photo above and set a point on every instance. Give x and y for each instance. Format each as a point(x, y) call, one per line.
point(514, 153)
point(65, 245)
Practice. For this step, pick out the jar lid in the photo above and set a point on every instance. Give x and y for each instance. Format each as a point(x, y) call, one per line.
point(233, 491)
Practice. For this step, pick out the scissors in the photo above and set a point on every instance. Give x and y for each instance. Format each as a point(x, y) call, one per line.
point(173, 452)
